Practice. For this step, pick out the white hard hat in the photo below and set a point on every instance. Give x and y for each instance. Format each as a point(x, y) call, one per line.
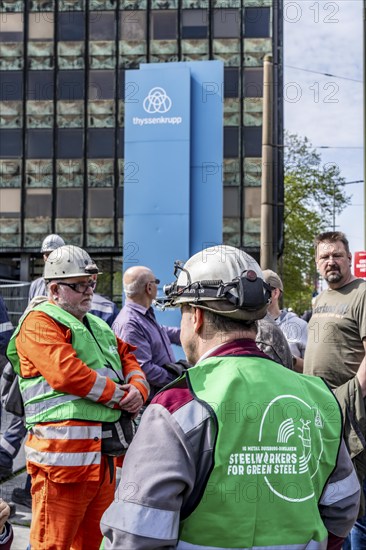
point(69, 261)
point(51, 242)
point(222, 279)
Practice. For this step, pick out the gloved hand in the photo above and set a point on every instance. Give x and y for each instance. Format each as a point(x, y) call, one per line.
point(178, 368)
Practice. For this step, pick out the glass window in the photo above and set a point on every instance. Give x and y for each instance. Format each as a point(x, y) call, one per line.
point(69, 203)
point(101, 173)
point(69, 5)
point(231, 82)
point(71, 55)
point(39, 173)
point(226, 23)
point(163, 25)
point(231, 202)
point(70, 143)
point(101, 143)
point(253, 83)
point(102, 25)
point(10, 173)
point(252, 136)
point(100, 203)
point(257, 22)
point(39, 114)
point(10, 143)
point(40, 85)
point(11, 86)
point(133, 25)
point(252, 202)
point(194, 24)
point(11, 27)
point(38, 5)
point(231, 141)
point(71, 85)
point(101, 85)
point(71, 25)
point(70, 173)
point(41, 26)
point(10, 203)
point(70, 114)
point(39, 144)
point(38, 203)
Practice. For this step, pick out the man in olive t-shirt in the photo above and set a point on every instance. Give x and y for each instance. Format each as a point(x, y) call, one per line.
point(337, 329)
point(336, 350)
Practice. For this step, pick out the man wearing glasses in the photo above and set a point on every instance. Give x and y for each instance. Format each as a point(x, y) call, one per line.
point(137, 325)
point(74, 376)
point(101, 306)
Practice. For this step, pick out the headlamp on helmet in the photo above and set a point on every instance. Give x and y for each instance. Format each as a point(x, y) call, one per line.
point(221, 279)
point(244, 292)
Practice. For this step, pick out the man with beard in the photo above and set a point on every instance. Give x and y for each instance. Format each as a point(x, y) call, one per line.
point(337, 344)
point(75, 377)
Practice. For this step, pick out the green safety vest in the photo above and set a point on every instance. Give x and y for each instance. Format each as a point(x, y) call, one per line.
point(97, 349)
point(274, 452)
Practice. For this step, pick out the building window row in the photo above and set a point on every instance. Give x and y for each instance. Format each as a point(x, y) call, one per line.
point(105, 85)
point(68, 143)
point(195, 24)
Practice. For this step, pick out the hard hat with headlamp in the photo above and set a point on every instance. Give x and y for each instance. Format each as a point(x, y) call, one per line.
point(222, 279)
point(69, 261)
point(51, 242)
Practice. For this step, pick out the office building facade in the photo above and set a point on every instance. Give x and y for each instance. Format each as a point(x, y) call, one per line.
point(62, 97)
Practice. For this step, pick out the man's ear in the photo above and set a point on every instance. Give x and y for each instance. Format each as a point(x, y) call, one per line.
point(148, 289)
point(277, 293)
point(198, 315)
point(53, 288)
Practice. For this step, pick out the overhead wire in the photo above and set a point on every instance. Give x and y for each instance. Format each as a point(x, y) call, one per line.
point(324, 74)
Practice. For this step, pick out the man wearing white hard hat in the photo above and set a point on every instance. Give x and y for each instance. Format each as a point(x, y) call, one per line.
point(75, 377)
point(101, 306)
point(49, 244)
point(239, 452)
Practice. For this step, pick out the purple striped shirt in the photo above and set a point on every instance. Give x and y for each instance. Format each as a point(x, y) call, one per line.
point(137, 325)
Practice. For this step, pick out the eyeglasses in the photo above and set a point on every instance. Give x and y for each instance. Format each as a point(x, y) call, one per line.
point(80, 288)
point(156, 281)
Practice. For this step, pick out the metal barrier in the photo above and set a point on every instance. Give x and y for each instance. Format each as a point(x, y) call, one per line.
point(15, 295)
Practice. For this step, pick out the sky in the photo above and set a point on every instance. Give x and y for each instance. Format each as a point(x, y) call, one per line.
point(326, 37)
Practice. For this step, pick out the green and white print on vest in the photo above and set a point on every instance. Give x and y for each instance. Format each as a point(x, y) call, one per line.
point(274, 452)
point(286, 450)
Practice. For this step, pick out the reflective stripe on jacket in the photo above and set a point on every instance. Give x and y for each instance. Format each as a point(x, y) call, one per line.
point(98, 349)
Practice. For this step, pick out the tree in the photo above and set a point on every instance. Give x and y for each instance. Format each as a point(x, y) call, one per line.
point(313, 193)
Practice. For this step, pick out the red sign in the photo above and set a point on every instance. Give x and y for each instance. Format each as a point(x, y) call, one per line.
point(360, 264)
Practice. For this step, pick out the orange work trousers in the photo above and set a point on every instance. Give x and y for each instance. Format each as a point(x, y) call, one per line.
point(66, 516)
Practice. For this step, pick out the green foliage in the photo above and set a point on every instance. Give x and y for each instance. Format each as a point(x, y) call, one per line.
point(314, 193)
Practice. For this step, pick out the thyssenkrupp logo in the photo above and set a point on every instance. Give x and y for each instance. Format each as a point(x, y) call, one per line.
point(157, 101)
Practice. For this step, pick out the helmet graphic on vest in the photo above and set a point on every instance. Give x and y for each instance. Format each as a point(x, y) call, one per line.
point(222, 279)
point(69, 261)
point(51, 242)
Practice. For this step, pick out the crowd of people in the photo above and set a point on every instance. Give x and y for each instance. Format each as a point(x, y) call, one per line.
point(255, 440)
